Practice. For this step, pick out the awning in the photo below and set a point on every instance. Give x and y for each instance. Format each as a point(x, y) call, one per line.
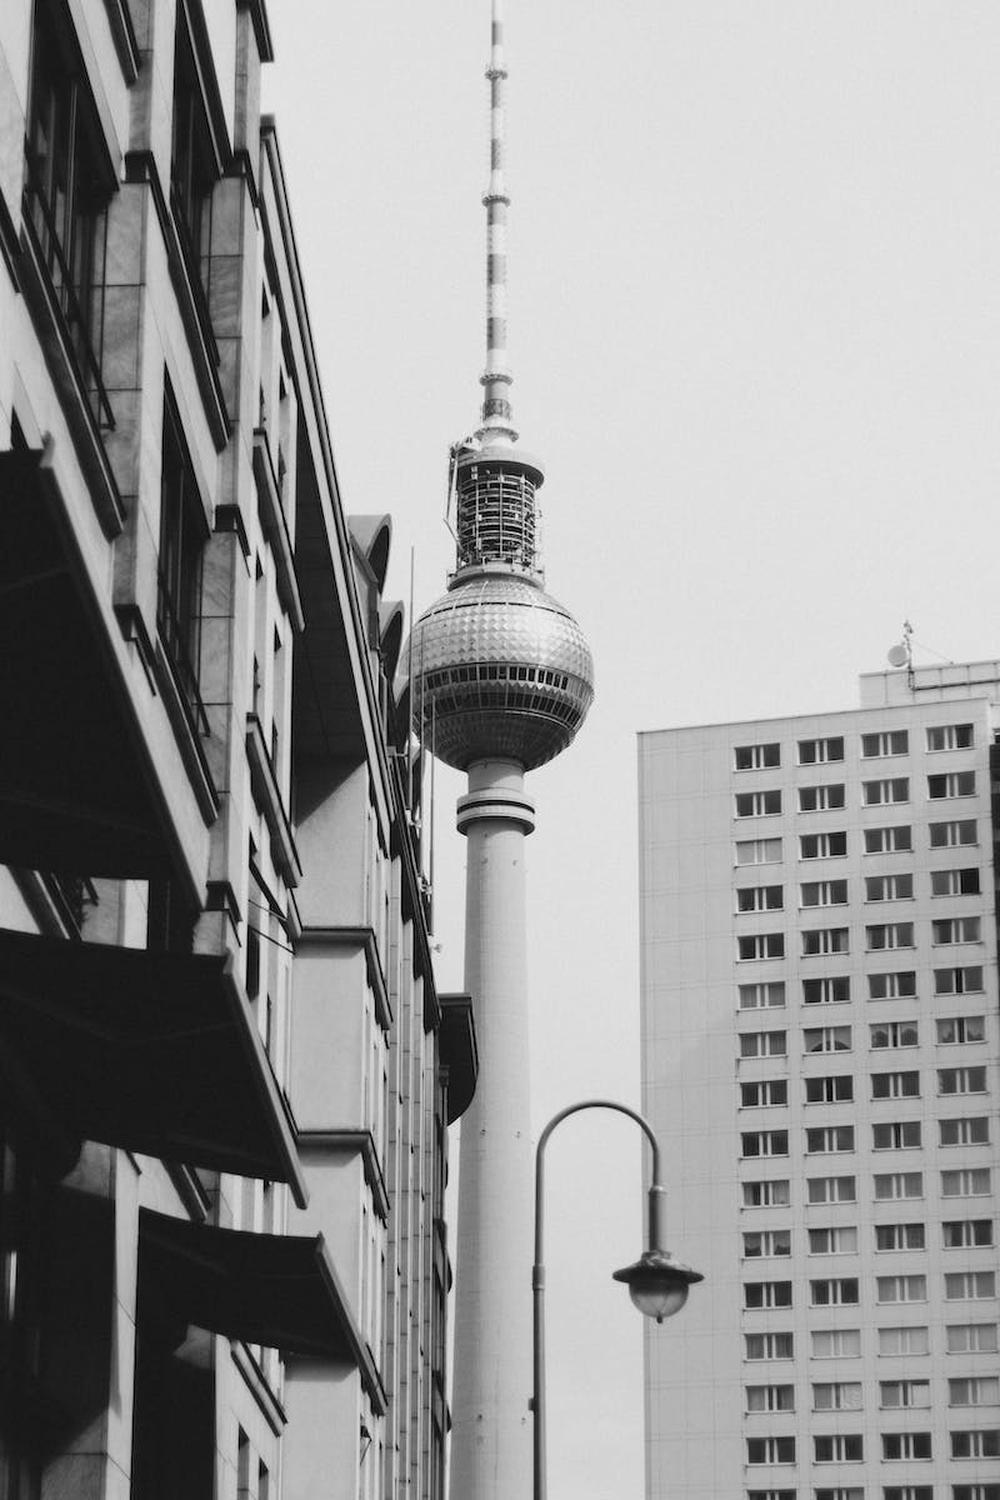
point(459, 1052)
point(72, 794)
point(153, 1052)
point(278, 1290)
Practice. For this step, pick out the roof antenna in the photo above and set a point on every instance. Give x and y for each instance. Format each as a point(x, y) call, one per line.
point(497, 379)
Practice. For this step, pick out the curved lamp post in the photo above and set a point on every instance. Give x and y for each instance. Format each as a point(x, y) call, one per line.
point(658, 1282)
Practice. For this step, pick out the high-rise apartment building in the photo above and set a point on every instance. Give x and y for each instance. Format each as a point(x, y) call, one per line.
point(820, 1058)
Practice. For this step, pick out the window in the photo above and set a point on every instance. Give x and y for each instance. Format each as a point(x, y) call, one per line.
point(905, 1445)
point(950, 737)
point(192, 167)
point(68, 185)
point(773, 1193)
point(768, 1345)
point(896, 1085)
point(951, 784)
point(965, 980)
point(836, 991)
point(896, 1135)
point(971, 1338)
point(969, 1286)
point(953, 834)
point(901, 984)
point(831, 1190)
point(767, 1294)
point(836, 1089)
point(898, 1393)
point(772, 1494)
point(955, 930)
point(764, 1243)
point(760, 898)
point(969, 1130)
point(761, 945)
point(827, 1038)
point(756, 757)
point(821, 752)
point(840, 1492)
point(758, 804)
point(901, 1288)
point(767, 996)
point(838, 1448)
point(895, 839)
point(762, 1044)
point(824, 893)
point(898, 887)
point(961, 1080)
point(823, 845)
point(908, 1492)
point(974, 1390)
point(836, 1343)
point(975, 1492)
point(961, 1234)
point(890, 1185)
point(890, 789)
point(828, 798)
point(770, 1397)
point(768, 1092)
point(893, 1034)
point(953, 1031)
point(889, 742)
point(837, 1395)
point(833, 1291)
point(758, 852)
point(966, 1182)
point(771, 1450)
point(828, 1139)
point(889, 935)
point(908, 1340)
point(825, 940)
point(839, 1239)
point(982, 1442)
point(764, 1143)
point(899, 1237)
point(959, 882)
point(183, 533)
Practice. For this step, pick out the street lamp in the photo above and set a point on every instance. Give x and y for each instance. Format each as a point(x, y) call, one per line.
point(657, 1282)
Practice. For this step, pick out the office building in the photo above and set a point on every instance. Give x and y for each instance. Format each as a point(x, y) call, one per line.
point(820, 1057)
point(227, 1073)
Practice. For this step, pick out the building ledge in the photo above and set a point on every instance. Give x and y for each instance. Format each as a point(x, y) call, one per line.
point(275, 524)
point(267, 794)
point(354, 1142)
point(357, 937)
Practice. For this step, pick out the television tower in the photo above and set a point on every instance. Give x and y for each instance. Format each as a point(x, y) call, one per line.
point(502, 680)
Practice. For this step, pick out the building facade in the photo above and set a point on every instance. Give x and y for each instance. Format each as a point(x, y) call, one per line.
point(227, 1073)
point(821, 1056)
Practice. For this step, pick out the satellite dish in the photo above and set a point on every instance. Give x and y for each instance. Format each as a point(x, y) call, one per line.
point(898, 655)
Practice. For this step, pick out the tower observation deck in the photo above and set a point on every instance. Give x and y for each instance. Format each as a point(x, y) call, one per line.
point(502, 681)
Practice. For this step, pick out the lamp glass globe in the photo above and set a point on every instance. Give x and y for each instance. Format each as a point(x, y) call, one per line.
point(658, 1297)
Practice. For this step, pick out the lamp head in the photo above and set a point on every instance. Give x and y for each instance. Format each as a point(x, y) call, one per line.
point(658, 1283)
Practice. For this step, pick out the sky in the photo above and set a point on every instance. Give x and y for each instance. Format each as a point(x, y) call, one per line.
point(755, 334)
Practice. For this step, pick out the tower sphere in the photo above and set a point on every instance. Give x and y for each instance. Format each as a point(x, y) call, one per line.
point(501, 671)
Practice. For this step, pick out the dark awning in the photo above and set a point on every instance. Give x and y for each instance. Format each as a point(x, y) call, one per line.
point(73, 797)
point(278, 1290)
point(154, 1052)
point(459, 1052)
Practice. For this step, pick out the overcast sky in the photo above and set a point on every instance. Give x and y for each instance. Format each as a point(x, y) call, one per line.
point(755, 332)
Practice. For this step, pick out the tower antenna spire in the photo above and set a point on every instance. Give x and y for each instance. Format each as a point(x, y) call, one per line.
point(496, 380)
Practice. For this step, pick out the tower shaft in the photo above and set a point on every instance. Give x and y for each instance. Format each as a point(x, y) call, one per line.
point(491, 1439)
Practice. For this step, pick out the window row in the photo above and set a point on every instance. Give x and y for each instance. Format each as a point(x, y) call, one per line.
point(835, 989)
point(829, 749)
point(883, 1036)
point(775, 1192)
point(832, 844)
point(893, 1395)
point(845, 1343)
point(893, 887)
point(889, 1492)
point(844, 1291)
point(831, 796)
point(849, 1447)
point(842, 1239)
point(880, 936)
